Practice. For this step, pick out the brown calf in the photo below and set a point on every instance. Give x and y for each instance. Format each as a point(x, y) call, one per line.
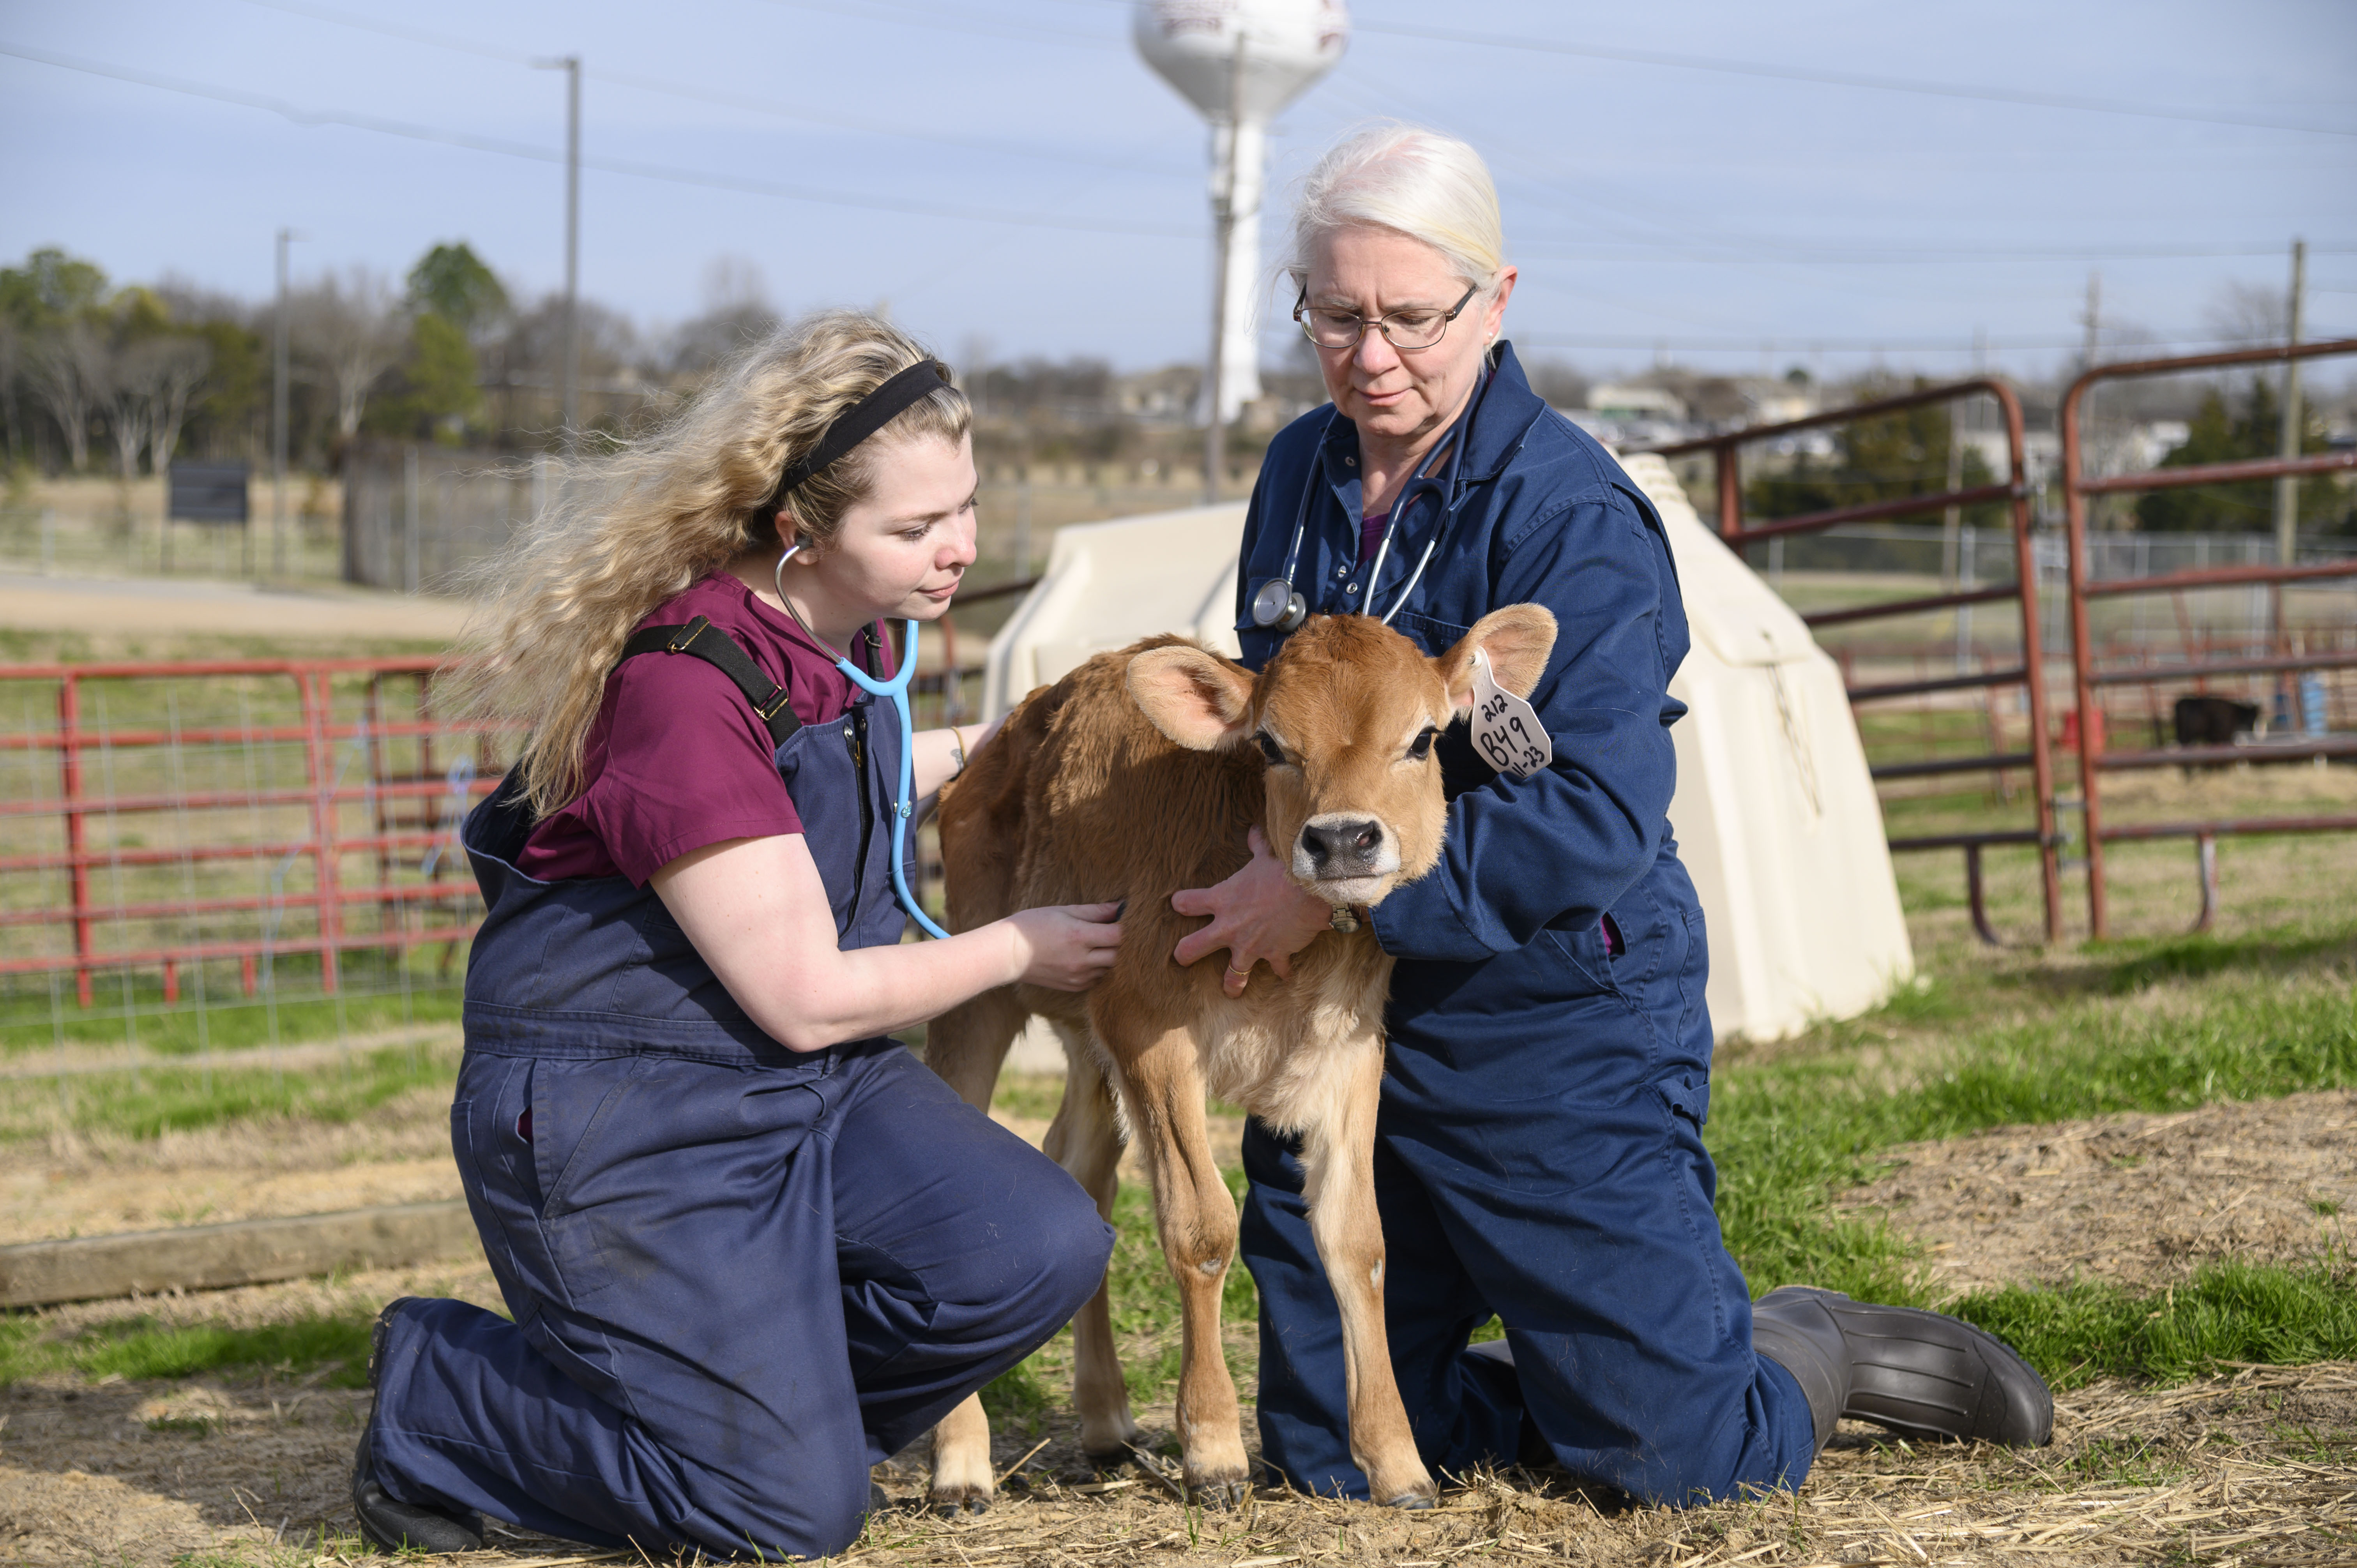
point(1139, 774)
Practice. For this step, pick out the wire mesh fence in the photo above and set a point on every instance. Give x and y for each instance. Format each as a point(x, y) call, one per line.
point(210, 871)
point(202, 862)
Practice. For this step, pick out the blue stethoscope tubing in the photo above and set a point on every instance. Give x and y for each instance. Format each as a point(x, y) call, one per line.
point(904, 807)
point(897, 689)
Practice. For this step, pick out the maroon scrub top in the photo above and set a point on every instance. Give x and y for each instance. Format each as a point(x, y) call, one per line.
point(677, 757)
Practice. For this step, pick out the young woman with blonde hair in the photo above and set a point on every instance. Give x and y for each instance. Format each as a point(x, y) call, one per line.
point(748, 1244)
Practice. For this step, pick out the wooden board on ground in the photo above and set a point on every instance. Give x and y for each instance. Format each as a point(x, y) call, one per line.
point(245, 1252)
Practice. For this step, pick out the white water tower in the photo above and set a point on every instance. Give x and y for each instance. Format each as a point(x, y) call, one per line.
point(1239, 62)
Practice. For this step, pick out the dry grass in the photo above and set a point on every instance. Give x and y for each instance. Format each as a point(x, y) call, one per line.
point(2250, 1467)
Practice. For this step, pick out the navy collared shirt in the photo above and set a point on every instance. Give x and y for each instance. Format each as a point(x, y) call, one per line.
point(1536, 512)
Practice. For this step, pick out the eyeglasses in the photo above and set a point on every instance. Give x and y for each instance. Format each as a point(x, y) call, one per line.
point(1401, 328)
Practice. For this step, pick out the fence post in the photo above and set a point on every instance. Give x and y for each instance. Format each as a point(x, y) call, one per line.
point(409, 519)
point(1727, 464)
point(69, 782)
point(326, 861)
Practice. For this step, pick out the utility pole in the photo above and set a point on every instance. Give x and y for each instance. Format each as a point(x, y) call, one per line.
point(1223, 213)
point(2287, 485)
point(2094, 318)
point(2097, 516)
point(568, 389)
point(278, 418)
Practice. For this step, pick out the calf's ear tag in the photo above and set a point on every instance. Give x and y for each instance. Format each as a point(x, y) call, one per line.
point(1506, 729)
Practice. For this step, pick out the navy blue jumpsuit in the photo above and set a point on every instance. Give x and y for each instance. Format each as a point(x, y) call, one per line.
point(739, 1275)
point(1539, 1148)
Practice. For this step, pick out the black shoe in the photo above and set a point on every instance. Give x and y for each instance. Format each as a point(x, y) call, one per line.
point(386, 1523)
point(1922, 1374)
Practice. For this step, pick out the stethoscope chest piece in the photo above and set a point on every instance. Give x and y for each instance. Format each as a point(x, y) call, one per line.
point(1278, 606)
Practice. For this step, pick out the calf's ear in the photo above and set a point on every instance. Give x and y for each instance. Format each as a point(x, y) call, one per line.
point(1201, 702)
point(1516, 641)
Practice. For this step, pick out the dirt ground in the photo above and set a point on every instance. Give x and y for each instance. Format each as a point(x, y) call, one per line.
point(2256, 1466)
point(152, 608)
point(2142, 1200)
point(73, 1184)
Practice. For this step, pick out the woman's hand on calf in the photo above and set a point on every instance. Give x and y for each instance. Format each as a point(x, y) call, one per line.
point(1066, 947)
point(1258, 914)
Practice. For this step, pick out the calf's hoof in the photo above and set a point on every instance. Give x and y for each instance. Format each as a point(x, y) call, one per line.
point(1412, 1499)
point(1223, 1494)
point(957, 1502)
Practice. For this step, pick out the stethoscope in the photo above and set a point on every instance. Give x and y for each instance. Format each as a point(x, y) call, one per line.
point(897, 689)
point(1277, 605)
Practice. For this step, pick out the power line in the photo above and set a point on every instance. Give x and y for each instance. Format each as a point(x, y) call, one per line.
point(962, 21)
point(702, 93)
point(1771, 345)
point(637, 169)
point(1724, 249)
point(1849, 78)
point(1777, 73)
point(1868, 255)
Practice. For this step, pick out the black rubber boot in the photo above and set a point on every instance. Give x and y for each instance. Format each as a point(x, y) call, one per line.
point(1922, 1374)
point(387, 1523)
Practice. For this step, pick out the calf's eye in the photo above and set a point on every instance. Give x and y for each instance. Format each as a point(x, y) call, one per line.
point(1270, 749)
point(1421, 746)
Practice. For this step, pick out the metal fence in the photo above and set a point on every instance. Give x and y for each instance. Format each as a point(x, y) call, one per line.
point(182, 842)
point(201, 857)
point(2014, 587)
point(2284, 653)
point(417, 517)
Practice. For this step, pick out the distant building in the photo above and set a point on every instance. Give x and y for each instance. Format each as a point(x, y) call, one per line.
point(1620, 404)
point(2041, 453)
point(1773, 401)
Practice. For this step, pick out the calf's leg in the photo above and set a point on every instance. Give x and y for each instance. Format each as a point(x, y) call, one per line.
point(1338, 1158)
point(1085, 1139)
point(1162, 1086)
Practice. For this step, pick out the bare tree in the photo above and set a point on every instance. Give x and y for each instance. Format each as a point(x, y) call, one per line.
point(348, 332)
point(12, 357)
point(2248, 313)
point(125, 392)
point(68, 365)
point(175, 369)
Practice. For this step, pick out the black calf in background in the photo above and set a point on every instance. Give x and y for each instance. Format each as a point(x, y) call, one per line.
point(2211, 721)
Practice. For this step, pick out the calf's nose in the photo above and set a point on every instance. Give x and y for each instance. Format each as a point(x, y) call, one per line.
point(1351, 845)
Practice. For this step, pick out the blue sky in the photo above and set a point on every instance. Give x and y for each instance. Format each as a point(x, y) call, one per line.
point(1735, 219)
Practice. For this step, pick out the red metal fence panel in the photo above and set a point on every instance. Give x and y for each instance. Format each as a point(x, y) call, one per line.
point(2014, 493)
point(252, 810)
point(2094, 758)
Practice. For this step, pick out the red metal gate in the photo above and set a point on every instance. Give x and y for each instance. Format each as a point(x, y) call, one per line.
point(246, 769)
point(2013, 491)
point(2094, 759)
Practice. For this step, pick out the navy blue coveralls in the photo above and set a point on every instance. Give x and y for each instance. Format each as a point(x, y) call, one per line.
point(739, 1275)
point(1539, 1148)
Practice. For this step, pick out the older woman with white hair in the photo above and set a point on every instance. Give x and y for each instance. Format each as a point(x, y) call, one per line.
point(1539, 1152)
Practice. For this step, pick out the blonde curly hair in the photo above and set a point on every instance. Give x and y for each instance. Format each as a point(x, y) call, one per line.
point(636, 526)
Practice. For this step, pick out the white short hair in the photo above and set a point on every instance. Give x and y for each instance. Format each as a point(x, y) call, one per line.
point(1417, 182)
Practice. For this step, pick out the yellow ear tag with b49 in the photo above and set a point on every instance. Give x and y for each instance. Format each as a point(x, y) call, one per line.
point(1506, 729)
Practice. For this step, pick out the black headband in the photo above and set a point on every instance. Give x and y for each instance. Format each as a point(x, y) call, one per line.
point(860, 421)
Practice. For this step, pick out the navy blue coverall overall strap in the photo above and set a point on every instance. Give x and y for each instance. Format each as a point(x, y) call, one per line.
point(1539, 1151)
point(736, 1275)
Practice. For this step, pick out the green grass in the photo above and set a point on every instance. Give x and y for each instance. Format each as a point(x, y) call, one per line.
point(139, 1347)
point(373, 999)
point(178, 1098)
point(1786, 1135)
point(2227, 1313)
